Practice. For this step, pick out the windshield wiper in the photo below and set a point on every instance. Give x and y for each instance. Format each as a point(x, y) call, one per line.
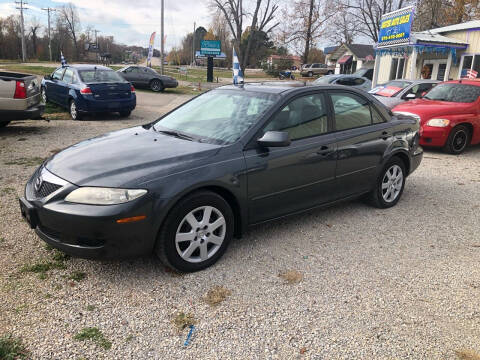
point(176, 134)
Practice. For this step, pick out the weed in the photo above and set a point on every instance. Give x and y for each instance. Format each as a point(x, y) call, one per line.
point(2, 240)
point(26, 161)
point(94, 334)
point(129, 338)
point(8, 190)
point(12, 348)
point(90, 307)
point(41, 268)
point(77, 276)
point(467, 355)
point(59, 256)
point(216, 295)
point(291, 276)
point(182, 320)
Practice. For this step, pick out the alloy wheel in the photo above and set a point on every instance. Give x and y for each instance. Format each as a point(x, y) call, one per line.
point(200, 234)
point(392, 183)
point(73, 110)
point(44, 95)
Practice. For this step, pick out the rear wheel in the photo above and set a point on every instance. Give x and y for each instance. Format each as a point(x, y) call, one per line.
point(196, 232)
point(4, 123)
point(457, 140)
point(310, 74)
point(390, 184)
point(292, 77)
point(156, 85)
point(74, 113)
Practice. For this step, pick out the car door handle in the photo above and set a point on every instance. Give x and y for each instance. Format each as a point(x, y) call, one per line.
point(385, 135)
point(324, 150)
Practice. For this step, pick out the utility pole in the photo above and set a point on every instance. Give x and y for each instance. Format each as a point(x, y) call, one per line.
point(193, 43)
point(96, 42)
point(49, 10)
point(161, 40)
point(21, 4)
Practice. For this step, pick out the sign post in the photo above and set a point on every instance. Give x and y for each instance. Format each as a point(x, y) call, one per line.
point(210, 48)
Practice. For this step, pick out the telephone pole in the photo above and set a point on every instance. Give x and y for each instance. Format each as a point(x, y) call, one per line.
point(49, 10)
point(161, 40)
point(21, 4)
point(193, 43)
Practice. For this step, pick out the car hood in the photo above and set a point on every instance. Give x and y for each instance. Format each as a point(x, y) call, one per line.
point(428, 109)
point(127, 158)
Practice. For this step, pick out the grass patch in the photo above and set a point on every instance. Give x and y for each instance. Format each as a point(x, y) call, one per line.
point(30, 69)
point(55, 112)
point(467, 355)
point(8, 190)
point(182, 320)
point(95, 335)
point(216, 295)
point(57, 261)
point(12, 348)
point(291, 276)
point(77, 276)
point(2, 240)
point(26, 161)
point(129, 338)
point(90, 307)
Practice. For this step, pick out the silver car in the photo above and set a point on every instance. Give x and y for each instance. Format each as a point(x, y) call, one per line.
point(356, 81)
point(397, 91)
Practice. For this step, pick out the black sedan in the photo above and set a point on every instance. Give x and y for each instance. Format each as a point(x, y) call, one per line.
point(142, 76)
point(186, 184)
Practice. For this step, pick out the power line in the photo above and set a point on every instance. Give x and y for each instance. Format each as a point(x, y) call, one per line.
point(21, 4)
point(48, 10)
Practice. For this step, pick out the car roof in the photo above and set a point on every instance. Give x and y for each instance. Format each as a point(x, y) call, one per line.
point(417, 81)
point(475, 82)
point(282, 87)
point(87, 67)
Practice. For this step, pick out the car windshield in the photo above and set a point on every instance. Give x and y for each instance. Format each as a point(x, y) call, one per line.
point(219, 116)
point(454, 93)
point(326, 79)
point(100, 76)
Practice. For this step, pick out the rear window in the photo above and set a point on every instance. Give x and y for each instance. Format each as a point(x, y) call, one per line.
point(100, 76)
point(462, 93)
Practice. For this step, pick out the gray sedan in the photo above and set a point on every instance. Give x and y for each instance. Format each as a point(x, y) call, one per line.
point(142, 76)
point(397, 91)
point(358, 82)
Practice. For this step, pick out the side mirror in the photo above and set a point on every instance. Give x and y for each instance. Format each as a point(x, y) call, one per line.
point(48, 77)
point(410, 96)
point(274, 139)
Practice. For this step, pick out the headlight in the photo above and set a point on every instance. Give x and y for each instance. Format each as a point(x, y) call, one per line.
point(438, 122)
point(103, 196)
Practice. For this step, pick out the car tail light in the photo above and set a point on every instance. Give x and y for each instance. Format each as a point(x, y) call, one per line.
point(132, 89)
point(20, 90)
point(86, 91)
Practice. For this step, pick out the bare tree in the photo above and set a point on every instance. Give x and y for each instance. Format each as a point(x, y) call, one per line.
point(71, 21)
point(342, 28)
point(34, 28)
point(236, 12)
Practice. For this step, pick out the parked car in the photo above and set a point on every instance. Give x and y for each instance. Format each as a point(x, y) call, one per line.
point(398, 91)
point(142, 76)
point(19, 98)
point(317, 69)
point(365, 72)
point(347, 80)
point(178, 186)
point(86, 89)
point(449, 115)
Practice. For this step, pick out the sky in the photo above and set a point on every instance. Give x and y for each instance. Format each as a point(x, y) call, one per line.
point(130, 21)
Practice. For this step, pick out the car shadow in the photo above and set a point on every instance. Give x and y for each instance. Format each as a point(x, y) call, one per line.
point(19, 128)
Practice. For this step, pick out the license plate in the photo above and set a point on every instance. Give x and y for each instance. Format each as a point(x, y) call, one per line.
point(28, 212)
point(113, 105)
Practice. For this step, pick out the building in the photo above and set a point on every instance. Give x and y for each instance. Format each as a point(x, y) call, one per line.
point(273, 61)
point(328, 52)
point(348, 58)
point(444, 53)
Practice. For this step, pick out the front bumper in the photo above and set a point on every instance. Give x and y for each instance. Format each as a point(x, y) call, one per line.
point(416, 159)
point(170, 83)
point(34, 112)
point(434, 136)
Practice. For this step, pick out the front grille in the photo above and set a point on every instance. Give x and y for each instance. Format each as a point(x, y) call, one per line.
point(46, 189)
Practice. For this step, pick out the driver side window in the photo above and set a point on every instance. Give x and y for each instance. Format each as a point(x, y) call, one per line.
point(58, 74)
point(303, 117)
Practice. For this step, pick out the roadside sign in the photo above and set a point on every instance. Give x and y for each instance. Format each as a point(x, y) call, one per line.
point(395, 27)
point(210, 47)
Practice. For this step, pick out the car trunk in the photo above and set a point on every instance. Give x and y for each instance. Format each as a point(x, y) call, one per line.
point(32, 86)
point(110, 91)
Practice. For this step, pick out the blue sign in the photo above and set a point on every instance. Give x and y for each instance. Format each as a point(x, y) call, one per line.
point(395, 27)
point(210, 47)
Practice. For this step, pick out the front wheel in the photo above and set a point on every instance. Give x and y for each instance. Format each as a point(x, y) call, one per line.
point(310, 74)
point(390, 184)
point(74, 113)
point(196, 232)
point(457, 140)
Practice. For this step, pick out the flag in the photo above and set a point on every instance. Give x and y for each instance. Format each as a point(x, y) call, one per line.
point(150, 49)
point(62, 59)
point(237, 72)
point(472, 74)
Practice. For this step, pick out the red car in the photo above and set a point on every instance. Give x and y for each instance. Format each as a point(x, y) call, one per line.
point(449, 115)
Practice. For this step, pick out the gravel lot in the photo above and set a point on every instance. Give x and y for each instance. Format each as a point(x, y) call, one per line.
point(402, 283)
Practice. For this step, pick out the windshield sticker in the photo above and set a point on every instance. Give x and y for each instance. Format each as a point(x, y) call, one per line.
point(388, 91)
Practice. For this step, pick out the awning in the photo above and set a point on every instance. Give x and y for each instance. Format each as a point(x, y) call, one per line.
point(345, 59)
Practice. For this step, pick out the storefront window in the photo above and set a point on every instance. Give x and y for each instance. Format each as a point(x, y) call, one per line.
point(396, 70)
point(470, 62)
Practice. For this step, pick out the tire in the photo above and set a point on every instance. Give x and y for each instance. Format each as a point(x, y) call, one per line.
point(156, 85)
point(174, 254)
point(292, 77)
point(4, 124)
point(125, 113)
point(74, 113)
point(329, 72)
point(458, 140)
point(281, 77)
point(388, 192)
point(310, 74)
point(44, 95)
